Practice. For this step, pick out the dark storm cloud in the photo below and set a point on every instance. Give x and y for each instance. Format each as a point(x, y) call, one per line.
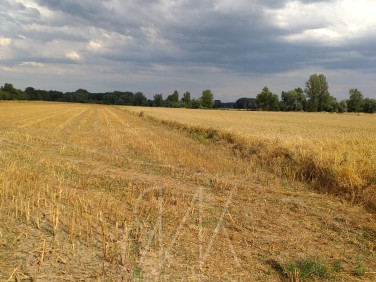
point(195, 32)
point(237, 37)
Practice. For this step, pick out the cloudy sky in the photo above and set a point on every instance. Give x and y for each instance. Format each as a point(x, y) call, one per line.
point(233, 47)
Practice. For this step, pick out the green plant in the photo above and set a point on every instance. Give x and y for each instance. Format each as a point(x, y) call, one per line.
point(308, 268)
point(337, 265)
point(137, 274)
point(360, 269)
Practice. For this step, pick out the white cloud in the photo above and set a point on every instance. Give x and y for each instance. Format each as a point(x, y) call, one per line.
point(4, 41)
point(73, 55)
point(327, 22)
point(153, 35)
point(94, 46)
point(32, 64)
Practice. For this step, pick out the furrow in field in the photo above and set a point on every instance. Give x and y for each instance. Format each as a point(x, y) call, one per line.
point(71, 127)
point(22, 115)
point(49, 121)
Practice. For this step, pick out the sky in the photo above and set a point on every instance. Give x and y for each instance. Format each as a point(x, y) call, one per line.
point(232, 47)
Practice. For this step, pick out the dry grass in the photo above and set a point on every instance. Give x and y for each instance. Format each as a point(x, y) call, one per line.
point(335, 151)
point(73, 174)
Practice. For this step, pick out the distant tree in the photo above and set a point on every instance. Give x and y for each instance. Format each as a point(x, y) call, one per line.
point(96, 98)
point(140, 99)
point(267, 101)
point(81, 95)
point(172, 100)
point(8, 92)
point(8, 87)
point(293, 100)
point(124, 98)
point(246, 103)
point(342, 106)
point(317, 91)
point(355, 103)
point(369, 105)
point(196, 103)
point(158, 100)
point(228, 105)
point(150, 103)
point(217, 104)
point(186, 97)
point(207, 99)
point(44, 95)
point(57, 96)
point(332, 105)
point(31, 93)
point(109, 98)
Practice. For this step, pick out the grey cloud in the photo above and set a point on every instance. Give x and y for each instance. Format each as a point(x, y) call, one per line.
point(191, 33)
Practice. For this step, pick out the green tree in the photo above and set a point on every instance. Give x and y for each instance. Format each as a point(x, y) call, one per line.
point(333, 105)
point(158, 100)
point(196, 103)
point(31, 93)
point(293, 100)
point(186, 97)
point(140, 99)
point(369, 105)
point(207, 99)
point(317, 91)
point(8, 92)
point(81, 95)
point(172, 100)
point(355, 103)
point(246, 103)
point(342, 106)
point(267, 101)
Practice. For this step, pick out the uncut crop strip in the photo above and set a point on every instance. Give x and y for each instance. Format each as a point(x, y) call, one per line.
point(336, 152)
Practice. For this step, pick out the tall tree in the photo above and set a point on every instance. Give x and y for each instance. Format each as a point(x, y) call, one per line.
point(267, 101)
point(207, 99)
point(369, 105)
point(293, 100)
point(355, 103)
point(342, 106)
point(140, 99)
point(186, 97)
point(158, 100)
point(317, 91)
point(8, 92)
point(172, 100)
point(30, 91)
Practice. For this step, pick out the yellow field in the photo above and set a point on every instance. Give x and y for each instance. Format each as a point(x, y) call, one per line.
point(95, 192)
point(335, 150)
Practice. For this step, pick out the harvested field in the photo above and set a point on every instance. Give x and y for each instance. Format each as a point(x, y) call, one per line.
point(96, 192)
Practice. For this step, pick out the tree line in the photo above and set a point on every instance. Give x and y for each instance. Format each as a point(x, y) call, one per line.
point(9, 92)
point(314, 98)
